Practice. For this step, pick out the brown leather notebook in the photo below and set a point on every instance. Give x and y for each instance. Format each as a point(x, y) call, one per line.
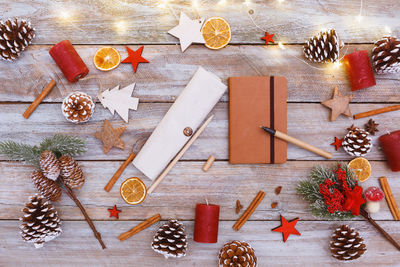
point(254, 102)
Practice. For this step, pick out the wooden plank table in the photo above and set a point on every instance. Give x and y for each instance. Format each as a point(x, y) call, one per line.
point(92, 24)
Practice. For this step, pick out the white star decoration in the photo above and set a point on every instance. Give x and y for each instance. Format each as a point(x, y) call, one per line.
point(188, 31)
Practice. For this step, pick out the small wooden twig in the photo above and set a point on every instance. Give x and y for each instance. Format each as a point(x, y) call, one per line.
point(179, 155)
point(38, 99)
point(249, 211)
point(365, 214)
point(118, 173)
point(376, 112)
point(72, 195)
point(389, 198)
point(208, 163)
point(141, 226)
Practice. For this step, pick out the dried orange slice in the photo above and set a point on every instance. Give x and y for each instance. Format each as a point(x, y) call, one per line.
point(216, 33)
point(107, 58)
point(133, 191)
point(361, 167)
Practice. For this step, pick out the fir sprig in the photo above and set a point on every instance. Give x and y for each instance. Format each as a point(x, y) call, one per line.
point(309, 190)
point(59, 144)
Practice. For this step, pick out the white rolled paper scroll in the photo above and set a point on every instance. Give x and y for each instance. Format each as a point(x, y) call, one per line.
point(189, 110)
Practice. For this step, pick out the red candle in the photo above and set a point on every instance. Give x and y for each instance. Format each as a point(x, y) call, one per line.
point(391, 146)
point(359, 70)
point(68, 60)
point(206, 223)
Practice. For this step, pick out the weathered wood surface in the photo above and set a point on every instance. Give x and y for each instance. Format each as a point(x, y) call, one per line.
point(142, 21)
point(77, 247)
point(170, 70)
point(186, 185)
point(309, 122)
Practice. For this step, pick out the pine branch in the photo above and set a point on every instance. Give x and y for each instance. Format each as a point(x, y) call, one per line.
point(64, 145)
point(20, 152)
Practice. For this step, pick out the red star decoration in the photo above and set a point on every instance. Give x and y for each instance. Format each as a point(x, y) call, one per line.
point(268, 38)
point(337, 143)
point(354, 200)
point(135, 57)
point(114, 212)
point(287, 228)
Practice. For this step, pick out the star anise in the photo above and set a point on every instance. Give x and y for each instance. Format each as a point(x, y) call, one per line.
point(371, 126)
point(352, 128)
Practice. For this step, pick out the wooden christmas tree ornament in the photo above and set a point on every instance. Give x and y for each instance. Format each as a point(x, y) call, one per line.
point(338, 104)
point(119, 100)
point(110, 137)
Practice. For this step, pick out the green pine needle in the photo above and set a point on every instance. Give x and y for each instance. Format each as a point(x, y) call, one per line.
point(59, 144)
point(309, 190)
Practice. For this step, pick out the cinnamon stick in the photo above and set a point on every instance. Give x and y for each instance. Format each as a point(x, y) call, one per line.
point(389, 198)
point(141, 226)
point(376, 111)
point(249, 211)
point(38, 99)
point(118, 173)
point(72, 195)
point(365, 214)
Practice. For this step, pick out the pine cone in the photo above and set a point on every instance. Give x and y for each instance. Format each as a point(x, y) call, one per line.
point(386, 55)
point(170, 240)
point(237, 254)
point(71, 172)
point(78, 107)
point(346, 244)
point(15, 36)
point(50, 165)
point(323, 47)
point(48, 188)
point(40, 221)
point(357, 142)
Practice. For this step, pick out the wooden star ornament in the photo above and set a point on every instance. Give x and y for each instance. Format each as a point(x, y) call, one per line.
point(338, 104)
point(114, 212)
point(268, 38)
point(287, 228)
point(110, 137)
point(338, 143)
point(135, 57)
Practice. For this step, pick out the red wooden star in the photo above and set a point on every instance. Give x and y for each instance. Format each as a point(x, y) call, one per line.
point(337, 143)
point(268, 38)
point(354, 200)
point(287, 228)
point(135, 57)
point(114, 212)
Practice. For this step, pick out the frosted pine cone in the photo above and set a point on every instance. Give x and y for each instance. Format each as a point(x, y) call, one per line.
point(170, 240)
point(324, 47)
point(50, 165)
point(346, 244)
point(237, 254)
point(40, 222)
point(15, 36)
point(78, 107)
point(357, 142)
point(71, 172)
point(386, 55)
point(48, 188)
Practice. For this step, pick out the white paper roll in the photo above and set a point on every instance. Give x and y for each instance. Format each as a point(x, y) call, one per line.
point(189, 110)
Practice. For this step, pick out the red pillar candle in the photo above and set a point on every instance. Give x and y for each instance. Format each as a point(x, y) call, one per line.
point(206, 223)
point(391, 146)
point(68, 60)
point(359, 70)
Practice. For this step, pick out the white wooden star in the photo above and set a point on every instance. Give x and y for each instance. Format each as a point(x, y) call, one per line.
point(188, 31)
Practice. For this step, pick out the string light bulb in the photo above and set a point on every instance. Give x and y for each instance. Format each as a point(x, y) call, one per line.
point(359, 18)
point(163, 4)
point(222, 2)
point(195, 4)
point(281, 46)
point(387, 29)
point(65, 15)
point(247, 2)
point(336, 64)
point(281, 1)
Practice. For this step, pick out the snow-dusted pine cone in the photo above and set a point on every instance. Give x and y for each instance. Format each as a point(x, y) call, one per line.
point(71, 172)
point(40, 222)
point(386, 55)
point(78, 107)
point(357, 142)
point(48, 188)
point(346, 244)
point(324, 47)
point(50, 165)
point(170, 240)
point(15, 36)
point(237, 253)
